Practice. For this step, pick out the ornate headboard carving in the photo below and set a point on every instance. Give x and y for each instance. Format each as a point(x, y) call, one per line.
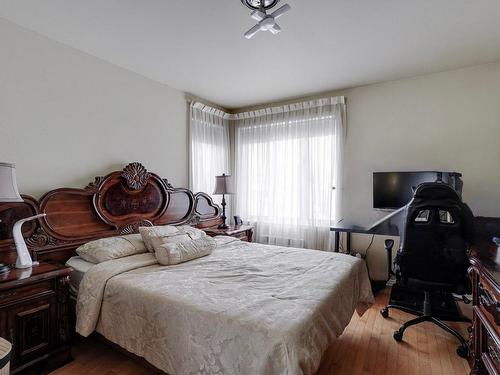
point(117, 203)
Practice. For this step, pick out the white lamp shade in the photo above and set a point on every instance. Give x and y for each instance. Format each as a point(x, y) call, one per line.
point(223, 185)
point(8, 184)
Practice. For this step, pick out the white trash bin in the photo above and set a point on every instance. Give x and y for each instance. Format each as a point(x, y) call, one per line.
point(5, 350)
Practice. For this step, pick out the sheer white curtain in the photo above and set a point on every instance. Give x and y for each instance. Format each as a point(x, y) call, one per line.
point(209, 147)
point(288, 171)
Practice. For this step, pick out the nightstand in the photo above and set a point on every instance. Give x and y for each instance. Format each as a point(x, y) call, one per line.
point(34, 316)
point(243, 232)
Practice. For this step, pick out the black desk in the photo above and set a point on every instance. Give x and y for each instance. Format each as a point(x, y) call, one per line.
point(387, 226)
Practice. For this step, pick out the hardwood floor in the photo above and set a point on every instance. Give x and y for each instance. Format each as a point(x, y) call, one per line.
point(366, 347)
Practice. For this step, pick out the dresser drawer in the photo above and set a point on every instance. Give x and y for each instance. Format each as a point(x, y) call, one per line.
point(34, 317)
point(491, 355)
point(489, 301)
point(31, 329)
point(487, 345)
point(41, 288)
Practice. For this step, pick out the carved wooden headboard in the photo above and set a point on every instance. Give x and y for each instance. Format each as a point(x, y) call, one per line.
point(117, 203)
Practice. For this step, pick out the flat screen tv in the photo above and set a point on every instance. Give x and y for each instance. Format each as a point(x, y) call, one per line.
point(393, 190)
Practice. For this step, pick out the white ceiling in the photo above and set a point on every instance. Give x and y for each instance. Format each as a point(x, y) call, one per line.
point(197, 45)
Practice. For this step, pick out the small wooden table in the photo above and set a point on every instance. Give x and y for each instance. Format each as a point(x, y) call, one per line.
point(35, 316)
point(242, 232)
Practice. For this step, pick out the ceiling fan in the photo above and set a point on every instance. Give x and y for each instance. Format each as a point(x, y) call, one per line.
point(266, 22)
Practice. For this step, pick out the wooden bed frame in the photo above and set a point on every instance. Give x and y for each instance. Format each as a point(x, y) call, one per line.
point(118, 203)
point(115, 204)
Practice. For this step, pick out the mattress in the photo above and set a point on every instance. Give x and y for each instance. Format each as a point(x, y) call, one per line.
point(79, 266)
point(244, 309)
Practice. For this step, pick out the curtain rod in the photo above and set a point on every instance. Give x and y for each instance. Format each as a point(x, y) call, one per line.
point(190, 98)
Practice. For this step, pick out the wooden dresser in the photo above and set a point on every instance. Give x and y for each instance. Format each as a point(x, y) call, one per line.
point(34, 316)
point(485, 277)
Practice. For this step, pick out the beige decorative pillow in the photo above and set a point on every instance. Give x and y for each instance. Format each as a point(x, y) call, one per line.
point(174, 253)
point(109, 248)
point(192, 232)
point(154, 237)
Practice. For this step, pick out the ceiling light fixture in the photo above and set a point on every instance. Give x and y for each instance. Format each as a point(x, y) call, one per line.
point(256, 4)
point(266, 22)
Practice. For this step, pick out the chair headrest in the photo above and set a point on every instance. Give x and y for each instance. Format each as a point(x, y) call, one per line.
point(436, 191)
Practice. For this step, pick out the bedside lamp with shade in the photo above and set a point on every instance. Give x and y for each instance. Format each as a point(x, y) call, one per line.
point(10, 194)
point(8, 185)
point(223, 186)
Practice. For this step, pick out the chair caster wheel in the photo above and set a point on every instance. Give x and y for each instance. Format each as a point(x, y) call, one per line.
point(398, 336)
point(463, 351)
point(384, 312)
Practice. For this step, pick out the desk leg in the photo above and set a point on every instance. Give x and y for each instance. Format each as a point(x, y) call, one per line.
point(337, 242)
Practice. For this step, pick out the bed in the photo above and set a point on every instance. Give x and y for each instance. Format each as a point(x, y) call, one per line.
point(245, 309)
point(79, 267)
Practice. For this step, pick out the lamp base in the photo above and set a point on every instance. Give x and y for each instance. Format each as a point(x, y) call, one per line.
point(4, 268)
point(223, 217)
point(23, 255)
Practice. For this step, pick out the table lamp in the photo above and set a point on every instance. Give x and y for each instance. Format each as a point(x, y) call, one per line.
point(223, 186)
point(10, 194)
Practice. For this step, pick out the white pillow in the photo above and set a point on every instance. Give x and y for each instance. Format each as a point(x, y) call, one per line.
point(154, 237)
point(171, 253)
point(109, 248)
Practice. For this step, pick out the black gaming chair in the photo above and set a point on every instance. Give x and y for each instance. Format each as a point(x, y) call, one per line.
point(432, 257)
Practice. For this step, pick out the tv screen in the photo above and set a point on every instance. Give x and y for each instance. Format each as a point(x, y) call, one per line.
point(393, 190)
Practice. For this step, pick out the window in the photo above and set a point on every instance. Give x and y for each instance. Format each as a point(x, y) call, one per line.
point(209, 147)
point(288, 169)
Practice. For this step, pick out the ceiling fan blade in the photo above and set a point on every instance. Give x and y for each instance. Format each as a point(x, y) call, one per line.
point(280, 11)
point(254, 30)
point(275, 29)
point(258, 15)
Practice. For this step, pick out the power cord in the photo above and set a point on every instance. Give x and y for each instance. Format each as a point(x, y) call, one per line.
point(343, 250)
point(369, 245)
point(365, 253)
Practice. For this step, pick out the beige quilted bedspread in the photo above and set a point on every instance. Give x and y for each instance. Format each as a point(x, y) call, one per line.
point(244, 309)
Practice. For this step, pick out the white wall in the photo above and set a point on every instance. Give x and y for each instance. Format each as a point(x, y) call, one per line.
point(66, 116)
point(448, 121)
